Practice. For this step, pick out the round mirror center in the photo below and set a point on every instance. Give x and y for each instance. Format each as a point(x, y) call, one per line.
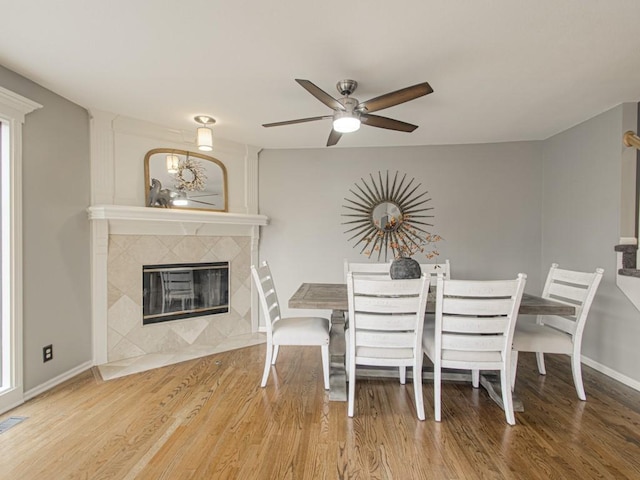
point(386, 216)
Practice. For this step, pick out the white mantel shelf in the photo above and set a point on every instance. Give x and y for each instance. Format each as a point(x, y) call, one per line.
point(171, 221)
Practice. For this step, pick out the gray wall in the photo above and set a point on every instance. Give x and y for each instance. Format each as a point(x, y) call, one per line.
point(56, 192)
point(486, 199)
point(581, 214)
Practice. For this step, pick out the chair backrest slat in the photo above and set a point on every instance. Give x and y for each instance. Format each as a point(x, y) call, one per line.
point(565, 324)
point(378, 339)
point(476, 306)
point(372, 268)
point(374, 321)
point(570, 276)
point(462, 324)
point(384, 304)
point(473, 343)
point(567, 293)
point(479, 288)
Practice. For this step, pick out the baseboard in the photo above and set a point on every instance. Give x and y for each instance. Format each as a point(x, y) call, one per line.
point(48, 385)
point(629, 382)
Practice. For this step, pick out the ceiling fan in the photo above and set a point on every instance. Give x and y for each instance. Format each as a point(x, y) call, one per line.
point(349, 113)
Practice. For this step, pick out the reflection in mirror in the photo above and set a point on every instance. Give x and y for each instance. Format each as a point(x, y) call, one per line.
point(187, 180)
point(386, 216)
point(389, 215)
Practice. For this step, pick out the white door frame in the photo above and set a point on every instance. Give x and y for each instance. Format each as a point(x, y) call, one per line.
point(13, 108)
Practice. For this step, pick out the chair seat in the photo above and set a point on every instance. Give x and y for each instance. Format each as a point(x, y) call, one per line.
point(532, 337)
point(301, 331)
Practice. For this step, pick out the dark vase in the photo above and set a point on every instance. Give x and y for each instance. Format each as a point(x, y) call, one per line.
point(404, 268)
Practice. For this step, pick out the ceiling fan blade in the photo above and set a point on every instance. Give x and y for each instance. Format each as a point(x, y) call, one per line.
point(333, 138)
point(384, 122)
point(321, 95)
point(299, 120)
point(395, 98)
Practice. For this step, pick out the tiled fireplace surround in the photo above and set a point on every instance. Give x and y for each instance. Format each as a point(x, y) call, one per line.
point(125, 238)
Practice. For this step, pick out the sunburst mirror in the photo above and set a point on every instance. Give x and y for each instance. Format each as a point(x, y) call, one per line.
point(389, 215)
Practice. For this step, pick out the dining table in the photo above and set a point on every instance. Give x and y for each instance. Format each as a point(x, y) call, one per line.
point(333, 296)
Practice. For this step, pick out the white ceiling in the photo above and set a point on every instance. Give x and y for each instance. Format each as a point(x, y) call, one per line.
point(501, 70)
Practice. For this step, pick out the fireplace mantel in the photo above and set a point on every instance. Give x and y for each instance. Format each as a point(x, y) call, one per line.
point(125, 220)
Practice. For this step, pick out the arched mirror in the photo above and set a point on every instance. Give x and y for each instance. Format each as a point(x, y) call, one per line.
point(389, 215)
point(181, 179)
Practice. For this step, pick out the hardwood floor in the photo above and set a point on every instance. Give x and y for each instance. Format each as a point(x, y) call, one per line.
point(209, 419)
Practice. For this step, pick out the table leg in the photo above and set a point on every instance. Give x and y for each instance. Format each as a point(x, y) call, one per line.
point(337, 352)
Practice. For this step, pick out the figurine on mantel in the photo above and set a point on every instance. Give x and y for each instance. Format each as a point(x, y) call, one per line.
point(158, 196)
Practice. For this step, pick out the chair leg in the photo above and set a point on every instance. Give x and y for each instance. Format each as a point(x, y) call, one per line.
point(475, 378)
point(267, 364)
point(576, 368)
point(514, 368)
point(417, 390)
point(276, 349)
point(540, 360)
point(437, 379)
point(507, 398)
point(352, 388)
point(325, 365)
point(403, 374)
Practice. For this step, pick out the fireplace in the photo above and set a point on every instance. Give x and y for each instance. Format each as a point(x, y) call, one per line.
point(124, 239)
point(184, 290)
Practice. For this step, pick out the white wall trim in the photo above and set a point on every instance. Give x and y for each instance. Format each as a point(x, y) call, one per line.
point(54, 382)
point(609, 372)
point(15, 105)
point(13, 109)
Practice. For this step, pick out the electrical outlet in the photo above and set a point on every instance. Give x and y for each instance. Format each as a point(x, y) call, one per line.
point(47, 353)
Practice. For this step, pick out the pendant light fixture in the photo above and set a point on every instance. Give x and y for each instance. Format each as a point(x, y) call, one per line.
point(204, 135)
point(173, 162)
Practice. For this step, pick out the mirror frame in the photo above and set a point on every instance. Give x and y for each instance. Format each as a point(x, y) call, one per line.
point(186, 153)
point(407, 236)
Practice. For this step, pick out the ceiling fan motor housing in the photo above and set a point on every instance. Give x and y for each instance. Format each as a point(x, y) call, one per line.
point(346, 87)
point(349, 103)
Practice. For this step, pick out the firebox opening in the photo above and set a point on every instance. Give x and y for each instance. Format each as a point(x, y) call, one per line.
point(184, 290)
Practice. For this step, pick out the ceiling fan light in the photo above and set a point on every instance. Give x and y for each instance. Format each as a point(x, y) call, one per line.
point(180, 200)
point(344, 122)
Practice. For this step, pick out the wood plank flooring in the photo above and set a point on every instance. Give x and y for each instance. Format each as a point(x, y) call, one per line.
point(209, 419)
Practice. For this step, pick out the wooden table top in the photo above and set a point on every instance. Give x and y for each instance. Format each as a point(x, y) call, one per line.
point(333, 296)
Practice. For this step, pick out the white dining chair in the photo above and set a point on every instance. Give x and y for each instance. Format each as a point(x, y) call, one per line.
point(559, 334)
point(372, 270)
point(473, 330)
point(436, 268)
point(288, 330)
point(385, 328)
